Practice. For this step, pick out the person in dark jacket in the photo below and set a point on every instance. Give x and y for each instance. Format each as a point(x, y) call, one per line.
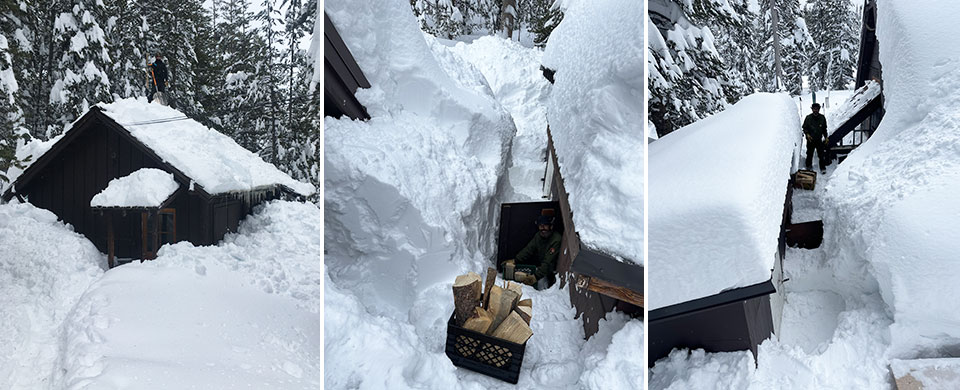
point(540, 255)
point(159, 70)
point(815, 130)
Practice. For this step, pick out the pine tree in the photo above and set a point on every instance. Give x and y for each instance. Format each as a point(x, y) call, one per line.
point(37, 62)
point(172, 30)
point(736, 41)
point(795, 45)
point(80, 77)
point(10, 114)
point(834, 26)
point(687, 74)
point(542, 18)
point(126, 37)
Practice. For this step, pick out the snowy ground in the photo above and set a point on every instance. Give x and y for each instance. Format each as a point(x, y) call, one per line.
point(834, 332)
point(242, 314)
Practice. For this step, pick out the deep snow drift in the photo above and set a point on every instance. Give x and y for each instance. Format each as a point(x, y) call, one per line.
point(596, 119)
point(243, 313)
point(39, 285)
point(717, 189)
point(895, 196)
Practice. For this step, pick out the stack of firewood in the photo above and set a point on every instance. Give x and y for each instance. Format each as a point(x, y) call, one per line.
point(490, 309)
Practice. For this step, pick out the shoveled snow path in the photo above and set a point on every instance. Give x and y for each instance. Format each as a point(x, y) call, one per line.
point(513, 73)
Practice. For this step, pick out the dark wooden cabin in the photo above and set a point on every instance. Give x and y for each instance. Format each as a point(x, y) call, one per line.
point(96, 150)
point(601, 283)
point(341, 76)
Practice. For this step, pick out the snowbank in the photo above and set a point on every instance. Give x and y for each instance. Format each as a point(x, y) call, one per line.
point(243, 313)
point(895, 196)
point(596, 119)
point(411, 194)
point(147, 187)
point(39, 284)
point(212, 159)
point(717, 189)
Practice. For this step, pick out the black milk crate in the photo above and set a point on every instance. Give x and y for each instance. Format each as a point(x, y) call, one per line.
point(487, 355)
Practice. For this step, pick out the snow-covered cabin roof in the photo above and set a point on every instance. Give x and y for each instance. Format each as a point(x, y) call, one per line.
point(146, 187)
point(850, 107)
point(211, 159)
point(716, 196)
point(595, 113)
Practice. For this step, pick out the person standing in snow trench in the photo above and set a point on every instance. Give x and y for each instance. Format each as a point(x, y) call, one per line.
point(158, 70)
point(815, 130)
point(538, 259)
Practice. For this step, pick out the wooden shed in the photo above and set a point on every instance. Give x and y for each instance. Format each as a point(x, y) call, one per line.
point(98, 149)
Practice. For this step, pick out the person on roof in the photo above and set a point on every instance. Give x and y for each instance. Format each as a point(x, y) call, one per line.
point(159, 72)
point(539, 257)
point(815, 130)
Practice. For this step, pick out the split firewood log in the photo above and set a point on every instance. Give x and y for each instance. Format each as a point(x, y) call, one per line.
point(513, 329)
point(502, 303)
point(488, 285)
point(466, 296)
point(525, 312)
point(480, 322)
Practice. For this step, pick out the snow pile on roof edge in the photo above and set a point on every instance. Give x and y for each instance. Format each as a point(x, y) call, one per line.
point(717, 191)
point(145, 187)
point(595, 113)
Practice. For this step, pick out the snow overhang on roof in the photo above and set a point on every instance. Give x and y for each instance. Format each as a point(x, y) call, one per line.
point(595, 112)
point(144, 188)
point(213, 160)
point(716, 197)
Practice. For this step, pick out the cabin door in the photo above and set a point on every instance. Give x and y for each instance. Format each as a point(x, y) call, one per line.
point(157, 228)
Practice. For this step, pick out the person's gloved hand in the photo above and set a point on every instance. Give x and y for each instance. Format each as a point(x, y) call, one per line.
point(809, 138)
point(529, 280)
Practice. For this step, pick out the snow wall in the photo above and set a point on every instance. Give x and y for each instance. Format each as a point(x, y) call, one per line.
point(595, 113)
point(411, 196)
point(895, 197)
point(717, 189)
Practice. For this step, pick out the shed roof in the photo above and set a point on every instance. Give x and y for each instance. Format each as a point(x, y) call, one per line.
point(212, 160)
point(716, 196)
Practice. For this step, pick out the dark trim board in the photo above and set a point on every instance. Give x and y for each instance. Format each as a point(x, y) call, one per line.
point(341, 76)
point(709, 302)
point(732, 326)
